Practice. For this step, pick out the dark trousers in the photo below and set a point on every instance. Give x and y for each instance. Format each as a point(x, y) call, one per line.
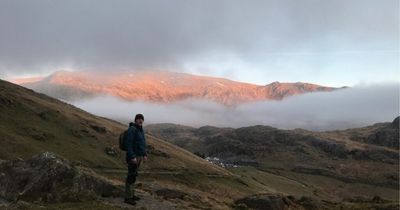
point(131, 178)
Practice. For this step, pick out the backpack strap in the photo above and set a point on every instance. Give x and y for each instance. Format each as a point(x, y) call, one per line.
point(134, 130)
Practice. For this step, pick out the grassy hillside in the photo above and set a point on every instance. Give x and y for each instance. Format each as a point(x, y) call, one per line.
point(31, 123)
point(174, 178)
point(334, 165)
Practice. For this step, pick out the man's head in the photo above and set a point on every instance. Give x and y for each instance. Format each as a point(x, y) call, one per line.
point(139, 119)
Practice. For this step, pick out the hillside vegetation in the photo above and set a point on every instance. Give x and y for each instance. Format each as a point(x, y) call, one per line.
point(57, 156)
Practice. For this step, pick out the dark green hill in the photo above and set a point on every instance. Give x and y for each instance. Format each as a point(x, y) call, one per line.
point(33, 123)
point(336, 164)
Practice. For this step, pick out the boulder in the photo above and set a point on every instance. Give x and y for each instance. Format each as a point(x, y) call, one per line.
point(49, 178)
point(99, 129)
point(170, 193)
point(273, 201)
point(266, 201)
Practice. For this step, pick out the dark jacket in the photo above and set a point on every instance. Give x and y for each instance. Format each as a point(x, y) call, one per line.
point(135, 142)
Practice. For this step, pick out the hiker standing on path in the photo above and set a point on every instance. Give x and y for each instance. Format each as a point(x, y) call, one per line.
point(135, 145)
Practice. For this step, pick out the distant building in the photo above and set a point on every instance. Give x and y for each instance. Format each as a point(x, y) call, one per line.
point(220, 162)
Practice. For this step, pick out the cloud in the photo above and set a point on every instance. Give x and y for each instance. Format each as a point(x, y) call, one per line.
point(353, 107)
point(110, 35)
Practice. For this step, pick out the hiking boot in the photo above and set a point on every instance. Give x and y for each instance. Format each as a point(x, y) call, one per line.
point(136, 198)
point(130, 201)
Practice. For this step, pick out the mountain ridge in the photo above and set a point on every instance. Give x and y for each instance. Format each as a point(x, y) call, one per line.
point(32, 123)
point(365, 156)
point(164, 87)
point(174, 178)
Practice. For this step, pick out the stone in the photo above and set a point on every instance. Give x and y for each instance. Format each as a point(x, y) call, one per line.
point(50, 178)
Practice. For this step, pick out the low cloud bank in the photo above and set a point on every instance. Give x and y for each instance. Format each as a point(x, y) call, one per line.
point(358, 106)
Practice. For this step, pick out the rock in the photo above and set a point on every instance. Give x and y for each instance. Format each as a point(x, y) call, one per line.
point(99, 129)
point(395, 123)
point(4, 101)
point(170, 193)
point(357, 199)
point(333, 148)
point(310, 203)
point(44, 116)
point(38, 134)
point(49, 178)
point(377, 199)
point(378, 155)
point(266, 201)
point(155, 152)
point(111, 151)
point(386, 136)
point(361, 199)
point(273, 201)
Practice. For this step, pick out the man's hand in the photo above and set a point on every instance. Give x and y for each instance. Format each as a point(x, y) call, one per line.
point(134, 160)
point(145, 158)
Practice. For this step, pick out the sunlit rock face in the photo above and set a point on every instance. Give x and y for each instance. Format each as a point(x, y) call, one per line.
point(162, 87)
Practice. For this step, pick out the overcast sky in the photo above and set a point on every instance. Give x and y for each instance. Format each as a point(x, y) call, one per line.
point(336, 42)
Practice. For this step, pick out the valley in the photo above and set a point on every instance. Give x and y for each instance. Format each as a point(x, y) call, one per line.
point(295, 169)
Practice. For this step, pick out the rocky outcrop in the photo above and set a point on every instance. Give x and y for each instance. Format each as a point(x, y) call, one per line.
point(273, 201)
point(386, 136)
point(395, 123)
point(333, 148)
point(171, 193)
point(264, 201)
point(99, 129)
point(49, 178)
point(378, 155)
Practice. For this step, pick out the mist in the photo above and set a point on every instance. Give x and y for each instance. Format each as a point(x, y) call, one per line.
point(357, 106)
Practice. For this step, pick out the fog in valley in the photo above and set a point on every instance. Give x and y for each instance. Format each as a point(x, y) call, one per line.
point(361, 105)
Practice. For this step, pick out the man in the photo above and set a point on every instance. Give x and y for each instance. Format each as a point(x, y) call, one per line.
point(135, 145)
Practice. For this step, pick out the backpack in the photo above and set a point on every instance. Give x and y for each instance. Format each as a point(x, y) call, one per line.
point(122, 138)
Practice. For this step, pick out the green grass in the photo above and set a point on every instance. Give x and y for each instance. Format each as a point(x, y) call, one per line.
point(33, 123)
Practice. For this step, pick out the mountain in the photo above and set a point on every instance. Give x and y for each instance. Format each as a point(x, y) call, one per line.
point(32, 124)
point(56, 156)
point(341, 164)
point(162, 87)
